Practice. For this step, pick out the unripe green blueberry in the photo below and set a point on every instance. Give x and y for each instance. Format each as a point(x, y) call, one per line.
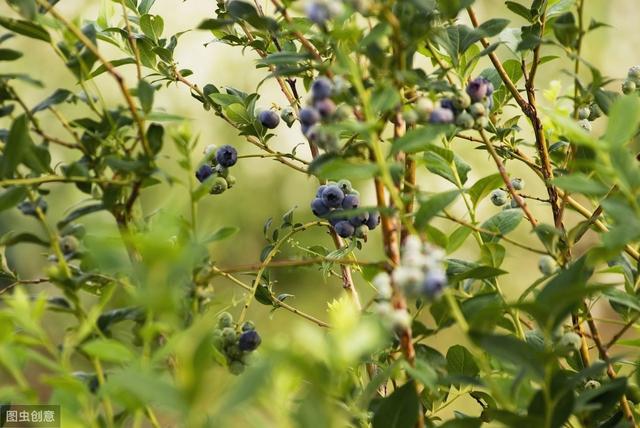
point(225, 319)
point(217, 338)
point(461, 101)
point(514, 203)
point(236, 367)
point(634, 73)
point(346, 186)
point(498, 197)
point(481, 122)
point(477, 110)
point(584, 112)
point(596, 112)
point(248, 326)
point(628, 86)
point(219, 185)
point(69, 244)
point(228, 335)
point(232, 350)
point(231, 181)
point(465, 120)
point(361, 231)
point(288, 116)
point(592, 384)
point(210, 152)
point(517, 183)
point(410, 117)
point(424, 107)
point(547, 265)
point(569, 343)
point(585, 124)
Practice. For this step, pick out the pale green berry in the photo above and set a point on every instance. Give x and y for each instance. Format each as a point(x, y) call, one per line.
point(569, 343)
point(595, 113)
point(634, 73)
point(498, 197)
point(628, 86)
point(410, 117)
point(69, 244)
point(231, 181)
point(219, 185)
point(236, 367)
point(424, 107)
point(585, 124)
point(477, 110)
point(288, 116)
point(225, 319)
point(465, 120)
point(584, 112)
point(592, 384)
point(228, 335)
point(462, 101)
point(547, 265)
point(517, 183)
point(481, 122)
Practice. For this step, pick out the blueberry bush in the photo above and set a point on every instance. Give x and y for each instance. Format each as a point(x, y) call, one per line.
point(447, 152)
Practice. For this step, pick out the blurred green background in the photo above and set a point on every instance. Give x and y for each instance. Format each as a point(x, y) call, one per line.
point(266, 188)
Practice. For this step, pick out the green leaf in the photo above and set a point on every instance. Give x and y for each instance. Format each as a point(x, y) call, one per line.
point(624, 118)
point(419, 139)
point(18, 142)
point(334, 167)
point(451, 8)
point(220, 234)
point(155, 136)
point(478, 272)
point(108, 350)
point(508, 348)
point(9, 55)
point(145, 95)
point(398, 410)
point(460, 362)
point(13, 237)
point(502, 223)
point(442, 162)
point(580, 183)
point(384, 99)
point(483, 187)
point(433, 205)
point(11, 197)
point(25, 28)
point(620, 297)
point(58, 97)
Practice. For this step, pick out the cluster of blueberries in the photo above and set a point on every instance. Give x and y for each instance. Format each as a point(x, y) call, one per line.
point(236, 344)
point(500, 197)
point(467, 110)
point(632, 83)
point(333, 200)
point(216, 167)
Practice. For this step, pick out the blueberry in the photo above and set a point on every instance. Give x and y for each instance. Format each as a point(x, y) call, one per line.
point(344, 229)
point(424, 107)
point(488, 103)
point(247, 326)
point(321, 88)
point(69, 245)
point(547, 265)
point(345, 185)
point(320, 190)
point(249, 341)
point(596, 112)
point(350, 202)
point(318, 208)
point(441, 115)
point(434, 282)
point(634, 73)
point(481, 122)
point(226, 156)
point(309, 116)
point(288, 116)
point(592, 384)
point(448, 104)
point(326, 107)
point(478, 89)
point(410, 117)
point(336, 217)
point(361, 232)
point(498, 197)
point(219, 185)
point(465, 120)
point(204, 172)
point(236, 367)
point(477, 110)
point(585, 124)
point(225, 319)
point(317, 12)
point(584, 112)
point(374, 220)
point(569, 343)
point(517, 183)
point(231, 181)
point(461, 102)
point(333, 196)
point(228, 335)
point(29, 208)
point(269, 119)
point(359, 220)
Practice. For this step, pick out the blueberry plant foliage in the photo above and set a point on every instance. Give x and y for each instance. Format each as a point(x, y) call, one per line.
point(385, 95)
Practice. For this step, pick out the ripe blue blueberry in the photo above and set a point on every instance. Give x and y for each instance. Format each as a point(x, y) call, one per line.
point(309, 116)
point(29, 208)
point(321, 88)
point(434, 282)
point(448, 104)
point(226, 156)
point(344, 229)
point(318, 13)
point(249, 341)
point(374, 220)
point(204, 172)
point(441, 115)
point(320, 190)
point(359, 220)
point(326, 107)
point(350, 202)
point(269, 119)
point(489, 103)
point(478, 88)
point(333, 196)
point(318, 208)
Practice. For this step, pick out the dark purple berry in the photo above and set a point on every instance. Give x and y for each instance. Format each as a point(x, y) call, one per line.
point(249, 341)
point(318, 208)
point(333, 196)
point(373, 221)
point(448, 104)
point(226, 156)
point(309, 116)
point(359, 220)
point(434, 282)
point(326, 107)
point(269, 119)
point(478, 88)
point(344, 229)
point(441, 115)
point(204, 172)
point(350, 202)
point(321, 88)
